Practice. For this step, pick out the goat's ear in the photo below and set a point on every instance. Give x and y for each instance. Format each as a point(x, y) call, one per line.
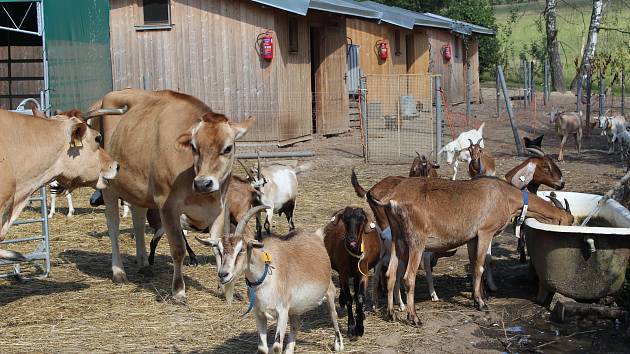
point(241, 128)
point(37, 113)
point(207, 242)
point(566, 203)
point(255, 244)
point(335, 219)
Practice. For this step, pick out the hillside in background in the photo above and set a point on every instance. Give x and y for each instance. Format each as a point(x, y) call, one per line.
point(573, 22)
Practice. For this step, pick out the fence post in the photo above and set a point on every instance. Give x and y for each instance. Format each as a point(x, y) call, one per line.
point(532, 84)
point(602, 95)
point(363, 103)
point(508, 107)
point(589, 83)
point(525, 79)
point(546, 82)
point(468, 83)
point(623, 92)
point(578, 94)
point(498, 85)
point(438, 116)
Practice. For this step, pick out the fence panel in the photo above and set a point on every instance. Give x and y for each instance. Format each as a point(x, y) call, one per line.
point(399, 117)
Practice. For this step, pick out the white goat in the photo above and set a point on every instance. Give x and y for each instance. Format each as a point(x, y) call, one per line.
point(567, 123)
point(279, 188)
point(55, 186)
point(609, 127)
point(286, 276)
point(623, 136)
point(457, 149)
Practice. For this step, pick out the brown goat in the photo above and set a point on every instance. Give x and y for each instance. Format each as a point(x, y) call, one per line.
point(440, 223)
point(481, 161)
point(422, 167)
point(241, 196)
point(354, 247)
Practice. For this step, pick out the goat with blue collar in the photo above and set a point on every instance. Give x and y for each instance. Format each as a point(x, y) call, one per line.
point(286, 277)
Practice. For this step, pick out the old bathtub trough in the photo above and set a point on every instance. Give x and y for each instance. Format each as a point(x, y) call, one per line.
point(583, 263)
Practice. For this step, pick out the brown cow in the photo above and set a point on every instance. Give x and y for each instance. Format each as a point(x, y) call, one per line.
point(176, 156)
point(36, 150)
point(440, 223)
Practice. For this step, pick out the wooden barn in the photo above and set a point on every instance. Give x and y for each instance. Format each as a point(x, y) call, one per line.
point(416, 42)
point(212, 49)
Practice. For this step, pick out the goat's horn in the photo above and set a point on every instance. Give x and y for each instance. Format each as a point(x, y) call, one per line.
point(567, 208)
point(480, 139)
point(535, 151)
point(249, 175)
point(417, 153)
point(240, 228)
point(471, 143)
point(107, 111)
point(207, 242)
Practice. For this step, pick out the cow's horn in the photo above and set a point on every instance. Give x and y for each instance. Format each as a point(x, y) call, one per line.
point(240, 228)
point(107, 111)
point(536, 152)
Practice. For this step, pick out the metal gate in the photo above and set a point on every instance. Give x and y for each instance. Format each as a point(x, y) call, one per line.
point(398, 117)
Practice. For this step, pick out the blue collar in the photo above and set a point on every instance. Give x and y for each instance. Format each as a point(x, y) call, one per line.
point(525, 197)
point(251, 285)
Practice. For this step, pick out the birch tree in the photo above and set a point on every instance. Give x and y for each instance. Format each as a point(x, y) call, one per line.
point(553, 51)
point(591, 40)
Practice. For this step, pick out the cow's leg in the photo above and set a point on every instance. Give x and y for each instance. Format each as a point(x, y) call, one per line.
point(154, 242)
point(426, 264)
point(113, 222)
point(578, 140)
point(53, 204)
point(70, 205)
point(415, 257)
point(261, 328)
point(191, 254)
point(175, 237)
point(561, 154)
point(139, 217)
point(332, 311)
point(483, 241)
point(294, 321)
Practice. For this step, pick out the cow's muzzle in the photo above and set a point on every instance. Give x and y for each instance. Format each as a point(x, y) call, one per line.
point(205, 184)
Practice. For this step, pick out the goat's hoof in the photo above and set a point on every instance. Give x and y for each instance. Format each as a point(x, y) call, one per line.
point(180, 297)
point(151, 260)
point(359, 330)
point(414, 320)
point(192, 261)
point(277, 347)
point(351, 331)
point(147, 271)
point(119, 277)
point(481, 305)
point(262, 350)
point(391, 316)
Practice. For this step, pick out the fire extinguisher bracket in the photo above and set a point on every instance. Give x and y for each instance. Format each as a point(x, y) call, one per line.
point(382, 49)
point(265, 44)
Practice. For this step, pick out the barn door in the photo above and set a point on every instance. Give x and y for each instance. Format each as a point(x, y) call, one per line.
point(353, 75)
point(77, 48)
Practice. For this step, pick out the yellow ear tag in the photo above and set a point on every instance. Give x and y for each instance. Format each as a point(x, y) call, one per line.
point(266, 257)
point(76, 143)
point(362, 247)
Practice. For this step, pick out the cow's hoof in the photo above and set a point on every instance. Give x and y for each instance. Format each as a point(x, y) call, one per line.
point(147, 271)
point(119, 277)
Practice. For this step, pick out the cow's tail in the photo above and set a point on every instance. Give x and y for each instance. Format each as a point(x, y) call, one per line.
point(12, 256)
point(360, 191)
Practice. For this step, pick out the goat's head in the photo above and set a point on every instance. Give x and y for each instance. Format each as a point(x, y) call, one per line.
point(355, 221)
point(475, 151)
point(422, 167)
point(547, 172)
point(554, 115)
point(232, 246)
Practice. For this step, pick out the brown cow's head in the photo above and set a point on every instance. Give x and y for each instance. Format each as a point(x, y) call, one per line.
point(84, 163)
point(422, 167)
point(212, 144)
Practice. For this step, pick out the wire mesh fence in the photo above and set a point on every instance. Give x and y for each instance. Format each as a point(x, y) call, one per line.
point(399, 117)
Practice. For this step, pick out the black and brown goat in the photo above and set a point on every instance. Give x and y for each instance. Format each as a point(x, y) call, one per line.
point(422, 167)
point(354, 247)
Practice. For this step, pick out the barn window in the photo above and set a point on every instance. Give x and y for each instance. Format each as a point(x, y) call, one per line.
point(156, 12)
point(293, 35)
point(397, 42)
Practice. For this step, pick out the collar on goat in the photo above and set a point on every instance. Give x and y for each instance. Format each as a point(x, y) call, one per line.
point(251, 284)
point(521, 218)
point(359, 257)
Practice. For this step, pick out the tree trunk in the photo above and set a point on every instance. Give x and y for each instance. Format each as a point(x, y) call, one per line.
point(591, 41)
point(553, 51)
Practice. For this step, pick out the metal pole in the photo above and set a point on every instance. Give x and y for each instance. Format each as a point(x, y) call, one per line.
point(623, 92)
point(546, 82)
point(364, 121)
point(578, 102)
point(524, 65)
point(468, 95)
point(438, 116)
point(508, 107)
point(532, 83)
point(589, 84)
point(602, 98)
point(275, 154)
point(496, 73)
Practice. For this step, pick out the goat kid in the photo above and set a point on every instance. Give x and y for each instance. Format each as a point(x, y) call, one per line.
point(354, 247)
point(610, 127)
point(422, 167)
point(623, 137)
point(457, 150)
point(287, 276)
point(567, 123)
point(425, 226)
point(481, 161)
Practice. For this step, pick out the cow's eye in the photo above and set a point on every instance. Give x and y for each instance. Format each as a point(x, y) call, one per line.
point(98, 139)
point(227, 150)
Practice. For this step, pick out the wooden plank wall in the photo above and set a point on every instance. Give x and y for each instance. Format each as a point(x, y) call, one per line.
point(211, 53)
point(452, 71)
point(473, 48)
point(31, 88)
point(366, 34)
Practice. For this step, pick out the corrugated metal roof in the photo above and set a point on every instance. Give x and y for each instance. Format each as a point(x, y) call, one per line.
point(299, 7)
point(461, 26)
point(393, 15)
point(351, 8)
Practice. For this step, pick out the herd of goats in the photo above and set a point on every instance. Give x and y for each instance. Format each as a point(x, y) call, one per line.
point(170, 159)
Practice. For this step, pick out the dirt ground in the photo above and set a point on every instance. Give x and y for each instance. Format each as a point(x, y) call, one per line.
point(79, 309)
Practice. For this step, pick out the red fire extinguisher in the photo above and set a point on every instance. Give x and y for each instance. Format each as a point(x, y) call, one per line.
point(382, 49)
point(446, 51)
point(266, 45)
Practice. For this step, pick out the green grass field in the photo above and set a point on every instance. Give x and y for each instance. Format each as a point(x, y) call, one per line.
point(573, 21)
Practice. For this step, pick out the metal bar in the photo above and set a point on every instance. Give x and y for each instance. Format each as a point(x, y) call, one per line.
point(468, 93)
point(623, 92)
point(578, 102)
point(602, 95)
point(532, 82)
point(508, 106)
point(546, 82)
point(524, 77)
point(19, 30)
point(20, 95)
point(438, 116)
point(21, 78)
point(24, 239)
point(497, 86)
point(27, 221)
point(275, 154)
point(589, 84)
point(20, 61)
point(363, 103)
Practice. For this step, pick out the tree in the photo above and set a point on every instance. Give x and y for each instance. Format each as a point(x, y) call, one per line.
point(591, 40)
point(553, 52)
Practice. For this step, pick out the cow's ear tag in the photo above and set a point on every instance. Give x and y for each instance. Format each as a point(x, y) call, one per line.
point(76, 143)
point(266, 257)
